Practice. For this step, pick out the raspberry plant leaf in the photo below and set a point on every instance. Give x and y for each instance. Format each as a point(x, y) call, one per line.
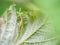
point(32, 28)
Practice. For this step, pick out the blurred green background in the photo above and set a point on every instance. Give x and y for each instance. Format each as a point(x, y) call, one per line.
point(52, 8)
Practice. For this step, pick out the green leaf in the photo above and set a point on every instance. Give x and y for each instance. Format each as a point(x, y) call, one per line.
point(37, 31)
point(8, 27)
